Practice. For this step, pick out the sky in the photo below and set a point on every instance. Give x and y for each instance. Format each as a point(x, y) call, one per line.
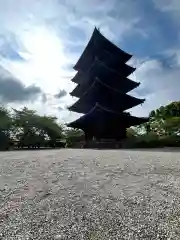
point(41, 40)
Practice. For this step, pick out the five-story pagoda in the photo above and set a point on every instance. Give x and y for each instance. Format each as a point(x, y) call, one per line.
point(102, 87)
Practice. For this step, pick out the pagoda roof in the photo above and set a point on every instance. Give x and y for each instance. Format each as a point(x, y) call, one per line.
point(99, 113)
point(111, 60)
point(98, 67)
point(123, 87)
point(99, 43)
point(116, 65)
point(108, 76)
point(100, 93)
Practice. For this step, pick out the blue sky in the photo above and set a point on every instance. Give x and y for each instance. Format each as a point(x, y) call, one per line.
point(41, 40)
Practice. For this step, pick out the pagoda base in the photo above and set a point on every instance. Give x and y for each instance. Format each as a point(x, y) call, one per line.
point(103, 144)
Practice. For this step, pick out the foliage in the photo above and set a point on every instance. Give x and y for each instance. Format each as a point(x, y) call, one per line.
point(131, 132)
point(25, 128)
point(165, 120)
point(168, 111)
point(172, 126)
point(163, 128)
point(28, 129)
point(73, 136)
point(5, 127)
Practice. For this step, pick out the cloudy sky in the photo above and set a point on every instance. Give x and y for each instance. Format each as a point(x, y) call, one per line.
point(41, 40)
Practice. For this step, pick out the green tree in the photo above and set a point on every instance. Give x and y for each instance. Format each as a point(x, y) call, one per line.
point(131, 132)
point(172, 126)
point(164, 112)
point(34, 130)
point(5, 128)
point(165, 120)
point(73, 136)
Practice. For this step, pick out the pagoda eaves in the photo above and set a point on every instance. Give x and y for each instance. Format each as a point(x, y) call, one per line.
point(125, 88)
point(104, 74)
point(114, 99)
point(100, 43)
point(98, 67)
point(90, 118)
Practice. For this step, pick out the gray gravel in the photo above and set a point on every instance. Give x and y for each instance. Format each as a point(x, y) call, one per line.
point(89, 194)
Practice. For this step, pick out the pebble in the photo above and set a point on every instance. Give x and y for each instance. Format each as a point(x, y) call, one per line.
point(93, 199)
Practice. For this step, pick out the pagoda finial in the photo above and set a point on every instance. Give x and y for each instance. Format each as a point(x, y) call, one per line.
point(97, 28)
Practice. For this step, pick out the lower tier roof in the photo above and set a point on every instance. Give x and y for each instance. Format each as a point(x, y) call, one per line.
point(99, 118)
point(105, 96)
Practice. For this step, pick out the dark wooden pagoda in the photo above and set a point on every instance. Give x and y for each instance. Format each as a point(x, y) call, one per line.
point(102, 87)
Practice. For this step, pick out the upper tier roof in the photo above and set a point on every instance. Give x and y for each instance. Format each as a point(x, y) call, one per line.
point(99, 114)
point(105, 96)
point(99, 43)
point(104, 74)
point(98, 66)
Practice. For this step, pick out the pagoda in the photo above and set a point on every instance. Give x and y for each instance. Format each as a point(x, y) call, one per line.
point(102, 87)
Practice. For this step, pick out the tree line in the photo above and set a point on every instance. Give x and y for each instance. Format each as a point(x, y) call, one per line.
point(25, 128)
point(163, 128)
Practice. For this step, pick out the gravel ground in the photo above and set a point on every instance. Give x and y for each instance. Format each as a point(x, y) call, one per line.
point(89, 194)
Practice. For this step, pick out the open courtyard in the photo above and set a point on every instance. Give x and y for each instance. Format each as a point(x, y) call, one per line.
point(89, 194)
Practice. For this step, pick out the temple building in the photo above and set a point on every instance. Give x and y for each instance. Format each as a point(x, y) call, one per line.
point(102, 88)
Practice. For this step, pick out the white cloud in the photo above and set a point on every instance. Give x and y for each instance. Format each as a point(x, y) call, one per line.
point(159, 85)
point(44, 33)
point(171, 7)
point(12, 90)
point(167, 5)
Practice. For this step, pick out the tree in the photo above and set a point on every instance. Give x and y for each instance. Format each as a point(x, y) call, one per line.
point(164, 112)
point(5, 128)
point(34, 130)
point(73, 136)
point(165, 120)
point(172, 126)
point(131, 132)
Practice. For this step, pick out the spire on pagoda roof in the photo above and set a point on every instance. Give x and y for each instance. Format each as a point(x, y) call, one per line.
point(99, 43)
point(100, 93)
